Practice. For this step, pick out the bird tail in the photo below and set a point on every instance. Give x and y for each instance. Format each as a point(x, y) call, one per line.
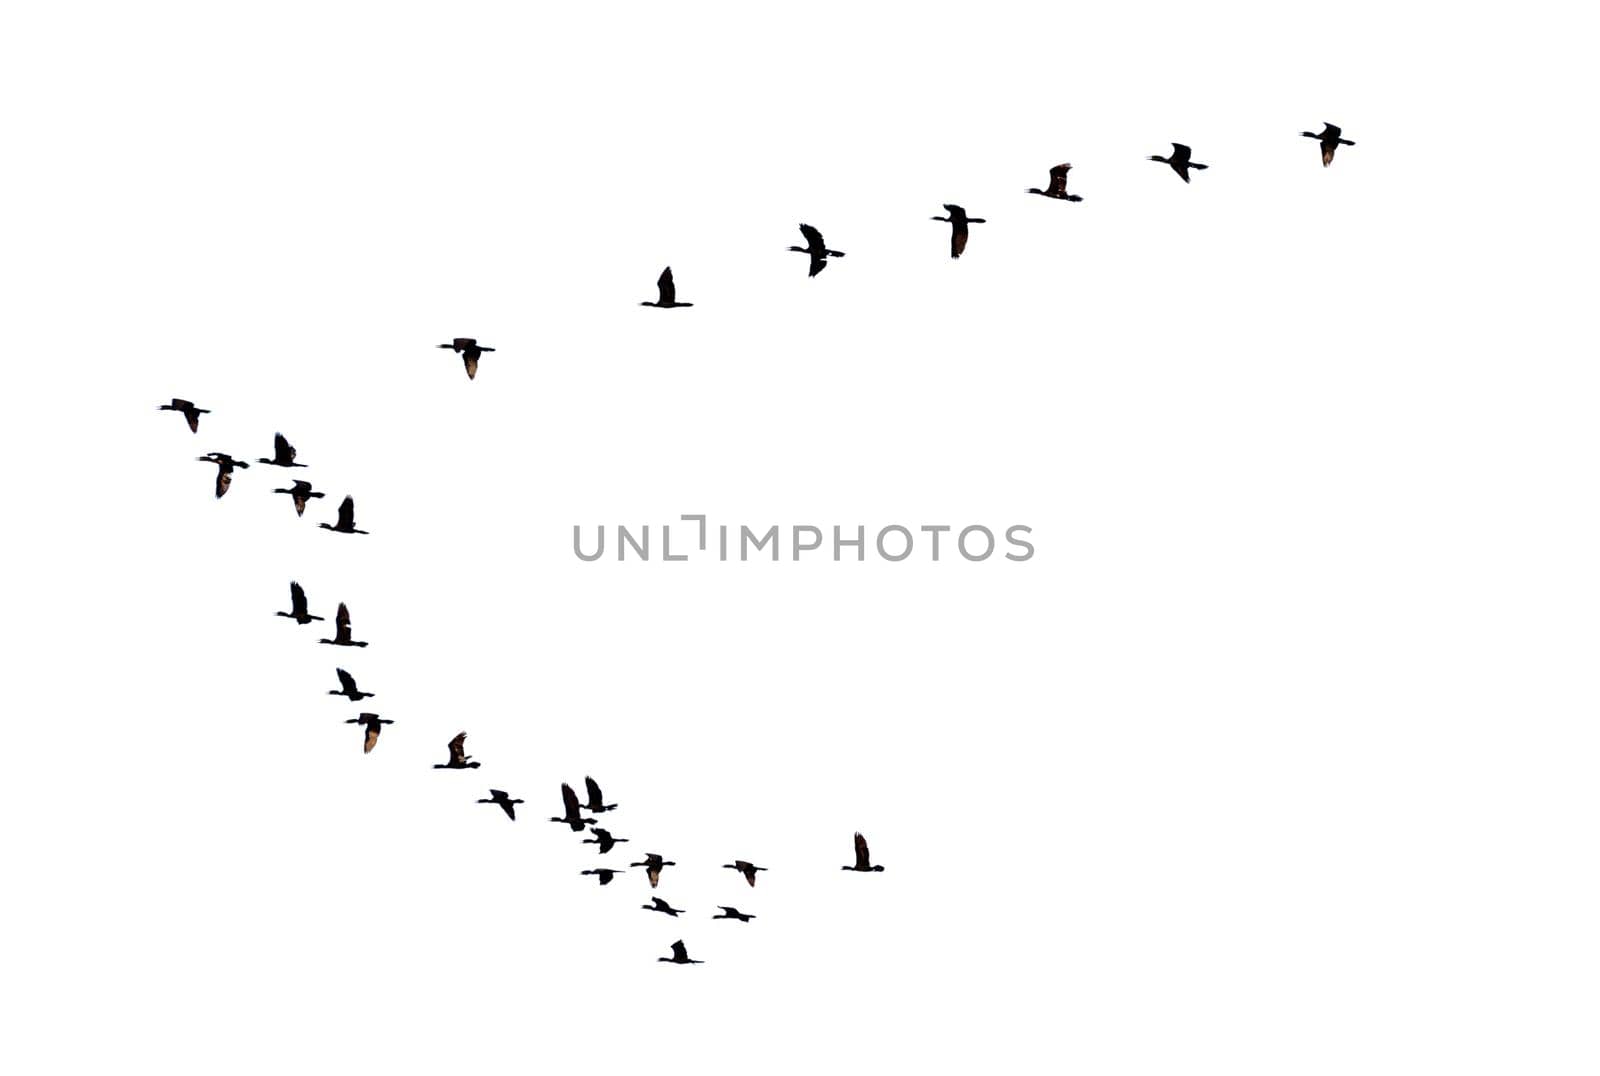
point(1200, 167)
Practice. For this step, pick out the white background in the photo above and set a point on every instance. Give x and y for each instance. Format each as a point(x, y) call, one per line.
point(1278, 757)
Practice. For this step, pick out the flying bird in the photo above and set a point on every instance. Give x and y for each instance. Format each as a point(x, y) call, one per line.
point(680, 955)
point(341, 629)
point(347, 687)
point(597, 803)
point(1180, 162)
point(745, 868)
point(347, 518)
point(459, 759)
point(225, 465)
point(668, 293)
point(817, 249)
point(470, 351)
point(373, 724)
point(658, 905)
point(300, 492)
point(1331, 139)
point(863, 857)
point(605, 874)
point(732, 913)
point(604, 839)
point(282, 453)
point(958, 221)
point(297, 606)
point(652, 867)
point(188, 410)
point(507, 804)
point(1058, 185)
point(574, 813)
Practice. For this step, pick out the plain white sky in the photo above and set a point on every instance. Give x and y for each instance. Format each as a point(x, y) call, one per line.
point(1278, 757)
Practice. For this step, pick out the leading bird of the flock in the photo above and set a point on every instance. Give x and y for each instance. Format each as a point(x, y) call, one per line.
point(604, 839)
point(1058, 185)
point(507, 804)
point(658, 905)
point(189, 411)
point(469, 350)
point(225, 465)
point(347, 519)
point(863, 858)
point(300, 492)
point(341, 629)
point(680, 955)
point(297, 605)
point(459, 759)
point(597, 802)
point(373, 724)
point(746, 868)
point(958, 221)
point(817, 249)
point(666, 292)
point(573, 817)
point(653, 863)
point(1331, 139)
point(282, 453)
point(347, 688)
point(732, 913)
point(1179, 162)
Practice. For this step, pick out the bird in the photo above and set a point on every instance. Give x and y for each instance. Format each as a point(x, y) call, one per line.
point(347, 687)
point(470, 351)
point(282, 453)
point(225, 465)
point(597, 803)
point(1180, 162)
point(652, 867)
point(732, 913)
point(341, 629)
point(1331, 139)
point(817, 249)
point(680, 955)
point(863, 858)
point(668, 296)
point(658, 905)
point(373, 724)
point(745, 868)
point(188, 410)
point(459, 759)
point(574, 814)
point(604, 839)
point(605, 874)
point(297, 605)
point(507, 804)
point(958, 221)
point(1058, 185)
point(347, 518)
point(300, 492)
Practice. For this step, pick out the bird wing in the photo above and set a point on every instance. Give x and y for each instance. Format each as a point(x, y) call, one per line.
point(958, 239)
point(1327, 152)
point(863, 857)
point(347, 513)
point(813, 237)
point(653, 872)
point(679, 951)
point(596, 800)
point(1058, 179)
point(372, 736)
point(1330, 131)
point(346, 681)
point(664, 285)
point(282, 450)
point(569, 800)
point(1180, 152)
point(192, 416)
point(458, 748)
point(297, 599)
point(819, 262)
point(470, 361)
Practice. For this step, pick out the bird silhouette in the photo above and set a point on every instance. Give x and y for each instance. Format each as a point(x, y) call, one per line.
point(605, 874)
point(817, 249)
point(347, 688)
point(300, 492)
point(470, 351)
point(958, 221)
point(574, 813)
point(652, 865)
point(667, 292)
point(604, 839)
point(347, 518)
point(282, 453)
point(373, 724)
point(1180, 162)
point(1330, 138)
point(297, 606)
point(459, 759)
point(745, 868)
point(658, 905)
point(341, 629)
point(732, 913)
point(507, 804)
point(597, 803)
point(189, 411)
point(1058, 185)
point(225, 465)
point(863, 857)
point(680, 955)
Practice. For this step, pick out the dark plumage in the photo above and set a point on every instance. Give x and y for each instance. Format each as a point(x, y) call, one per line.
point(1180, 162)
point(225, 465)
point(1330, 139)
point(347, 518)
point(863, 857)
point(573, 816)
point(597, 802)
point(341, 629)
point(658, 905)
point(1058, 185)
point(667, 293)
point(300, 492)
point(605, 874)
point(745, 868)
point(282, 453)
point(506, 803)
point(347, 687)
point(817, 249)
point(732, 913)
point(297, 606)
point(189, 411)
point(470, 351)
point(459, 759)
point(604, 839)
point(652, 865)
point(373, 724)
point(958, 221)
point(680, 955)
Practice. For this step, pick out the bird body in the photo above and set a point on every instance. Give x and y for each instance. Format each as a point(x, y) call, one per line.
point(1179, 162)
point(347, 519)
point(666, 292)
point(680, 955)
point(958, 221)
point(1058, 185)
point(1331, 138)
point(746, 868)
point(817, 249)
point(863, 857)
point(658, 905)
point(297, 606)
point(470, 351)
point(373, 724)
point(732, 913)
point(300, 492)
point(505, 802)
point(459, 759)
point(347, 687)
point(341, 629)
point(282, 453)
point(652, 864)
point(189, 411)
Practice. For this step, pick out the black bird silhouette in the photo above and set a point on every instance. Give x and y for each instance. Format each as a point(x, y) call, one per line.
point(297, 606)
point(732, 913)
point(863, 857)
point(188, 410)
point(958, 221)
point(604, 839)
point(652, 867)
point(1330, 138)
point(459, 759)
point(347, 518)
point(1180, 162)
point(574, 814)
point(347, 688)
point(225, 465)
point(605, 874)
point(1058, 185)
point(300, 492)
point(680, 955)
point(597, 803)
point(668, 293)
point(341, 629)
point(507, 804)
point(745, 868)
point(470, 351)
point(373, 724)
point(817, 249)
point(658, 905)
point(282, 453)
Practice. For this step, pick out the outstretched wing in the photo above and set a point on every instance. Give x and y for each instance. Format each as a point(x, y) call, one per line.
point(346, 681)
point(372, 736)
point(569, 800)
point(863, 857)
point(813, 237)
point(347, 513)
point(679, 951)
point(458, 749)
point(1058, 179)
point(297, 599)
point(958, 239)
point(664, 285)
point(596, 800)
point(282, 450)
point(1180, 153)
